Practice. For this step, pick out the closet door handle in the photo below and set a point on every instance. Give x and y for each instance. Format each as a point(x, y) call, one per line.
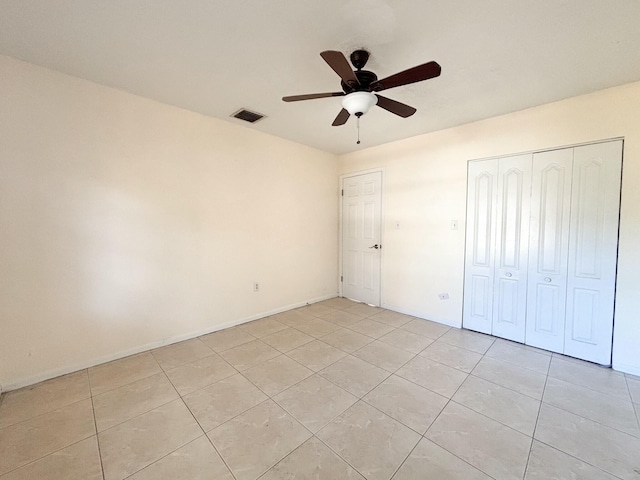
point(547, 279)
point(508, 274)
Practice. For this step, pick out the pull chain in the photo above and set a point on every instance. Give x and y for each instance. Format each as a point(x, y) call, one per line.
point(358, 123)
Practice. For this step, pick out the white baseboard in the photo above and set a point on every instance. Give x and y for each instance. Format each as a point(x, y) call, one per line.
point(405, 311)
point(24, 382)
point(624, 368)
point(620, 367)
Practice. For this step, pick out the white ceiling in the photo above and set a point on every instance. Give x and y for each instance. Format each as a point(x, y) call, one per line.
point(216, 56)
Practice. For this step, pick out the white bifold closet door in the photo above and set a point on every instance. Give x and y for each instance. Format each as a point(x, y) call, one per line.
point(512, 239)
point(593, 251)
point(548, 249)
point(496, 250)
point(541, 249)
point(479, 265)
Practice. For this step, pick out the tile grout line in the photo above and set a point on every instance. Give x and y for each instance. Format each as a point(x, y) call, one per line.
point(269, 398)
point(53, 453)
point(395, 472)
point(490, 418)
point(546, 403)
point(233, 475)
point(340, 456)
point(283, 458)
point(163, 457)
point(177, 345)
point(633, 404)
point(207, 437)
point(438, 416)
point(218, 352)
point(481, 413)
point(429, 440)
point(359, 398)
point(127, 383)
point(578, 459)
point(590, 389)
point(65, 446)
point(206, 434)
point(315, 372)
point(505, 387)
point(535, 426)
point(95, 426)
point(46, 413)
point(353, 331)
point(483, 355)
point(592, 421)
point(235, 372)
point(451, 400)
point(179, 397)
point(231, 418)
point(163, 371)
point(521, 366)
point(138, 415)
point(596, 392)
point(384, 413)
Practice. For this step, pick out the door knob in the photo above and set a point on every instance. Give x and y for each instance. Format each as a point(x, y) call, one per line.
point(508, 274)
point(547, 279)
point(376, 246)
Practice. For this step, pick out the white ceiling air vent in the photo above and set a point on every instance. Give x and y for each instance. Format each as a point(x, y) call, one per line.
point(248, 115)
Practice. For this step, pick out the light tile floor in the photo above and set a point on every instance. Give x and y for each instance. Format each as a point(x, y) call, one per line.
point(329, 391)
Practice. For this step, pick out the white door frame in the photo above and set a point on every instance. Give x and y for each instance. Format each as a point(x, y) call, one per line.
point(382, 229)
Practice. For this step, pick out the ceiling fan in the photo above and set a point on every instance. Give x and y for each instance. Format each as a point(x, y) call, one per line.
point(359, 86)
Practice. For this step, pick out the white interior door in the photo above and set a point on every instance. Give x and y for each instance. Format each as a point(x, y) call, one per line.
point(480, 230)
point(512, 244)
point(548, 249)
point(361, 237)
point(593, 244)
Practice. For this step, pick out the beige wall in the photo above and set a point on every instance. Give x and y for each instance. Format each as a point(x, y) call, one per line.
point(425, 189)
point(126, 223)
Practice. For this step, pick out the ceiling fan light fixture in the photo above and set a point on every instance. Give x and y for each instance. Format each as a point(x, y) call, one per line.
point(359, 103)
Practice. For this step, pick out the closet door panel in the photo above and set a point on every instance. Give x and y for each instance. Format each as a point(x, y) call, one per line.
point(595, 203)
point(480, 245)
point(512, 238)
point(548, 244)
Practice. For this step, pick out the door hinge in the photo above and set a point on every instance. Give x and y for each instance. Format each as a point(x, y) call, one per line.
point(341, 278)
point(342, 192)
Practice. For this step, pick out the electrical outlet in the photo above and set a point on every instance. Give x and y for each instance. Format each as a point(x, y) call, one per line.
point(256, 287)
point(443, 296)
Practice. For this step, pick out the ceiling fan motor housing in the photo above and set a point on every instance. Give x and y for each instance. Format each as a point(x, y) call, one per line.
point(365, 77)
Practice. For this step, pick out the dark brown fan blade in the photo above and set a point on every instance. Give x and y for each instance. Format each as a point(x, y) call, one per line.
point(396, 107)
point(310, 96)
point(342, 118)
point(340, 65)
point(412, 75)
